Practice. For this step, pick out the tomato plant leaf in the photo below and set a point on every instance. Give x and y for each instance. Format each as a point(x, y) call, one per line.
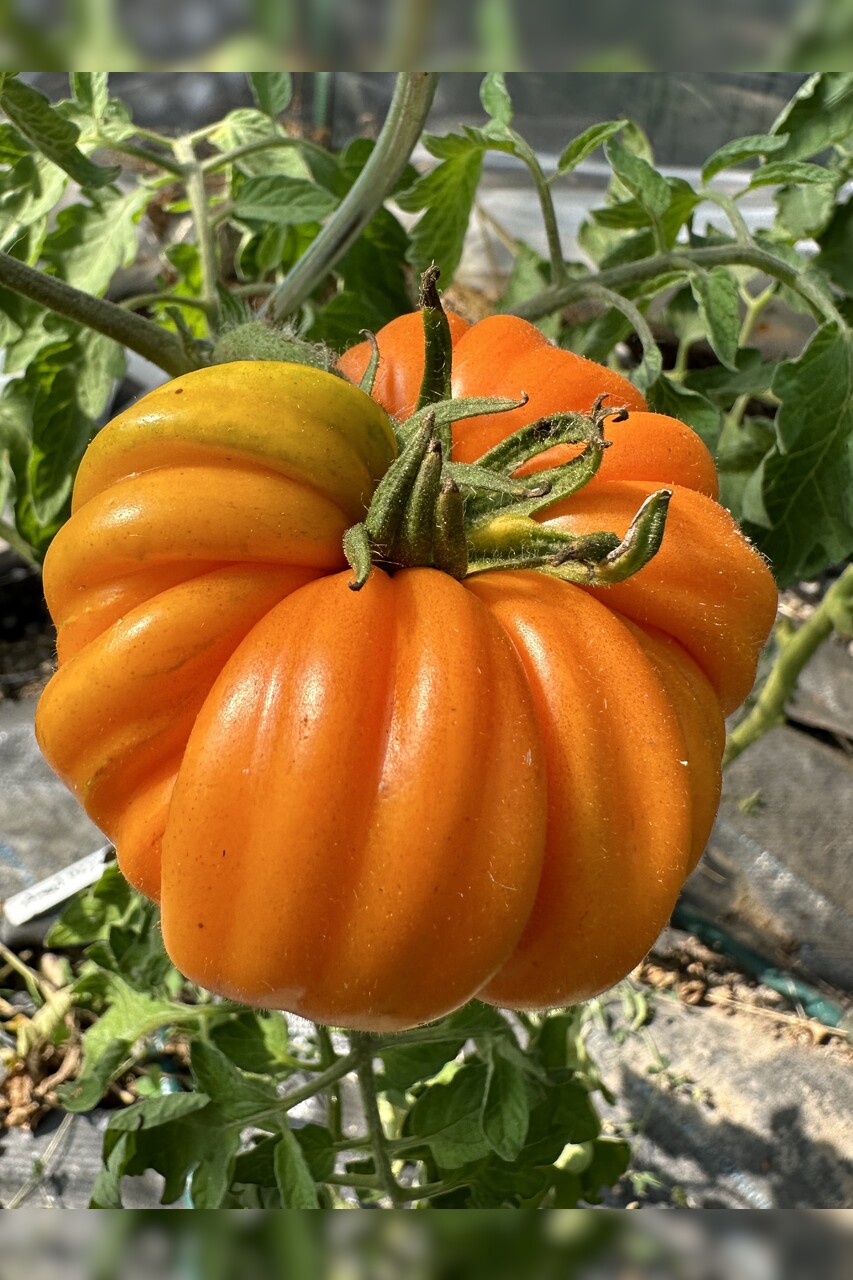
point(446, 196)
point(448, 1118)
point(53, 135)
point(90, 90)
point(505, 1110)
point(587, 142)
point(292, 1175)
point(148, 1113)
point(688, 406)
point(836, 247)
point(241, 1097)
point(733, 153)
point(798, 505)
point(257, 1042)
point(495, 99)
point(716, 293)
point(641, 178)
point(777, 172)
point(283, 200)
point(272, 91)
point(92, 241)
point(819, 114)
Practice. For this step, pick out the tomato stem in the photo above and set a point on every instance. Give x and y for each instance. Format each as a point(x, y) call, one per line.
point(438, 344)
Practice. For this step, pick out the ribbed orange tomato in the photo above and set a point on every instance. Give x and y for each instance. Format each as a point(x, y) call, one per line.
point(368, 807)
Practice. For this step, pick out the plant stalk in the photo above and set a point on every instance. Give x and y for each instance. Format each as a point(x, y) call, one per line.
point(364, 1046)
point(834, 613)
point(621, 278)
point(147, 339)
point(197, 197)
point(404, 122)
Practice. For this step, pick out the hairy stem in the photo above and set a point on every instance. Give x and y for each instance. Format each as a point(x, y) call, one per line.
point(407, 113)
point(526, 153)
point(364, 1046)
point(328, 1058)
point(835, 612)
point(197, 196)
point(621, 278)
point(147, 339)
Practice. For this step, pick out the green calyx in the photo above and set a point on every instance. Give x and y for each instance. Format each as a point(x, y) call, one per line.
point(466, 518)
point(257, 340)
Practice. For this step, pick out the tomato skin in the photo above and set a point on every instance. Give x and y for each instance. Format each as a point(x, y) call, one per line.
point(392, 867)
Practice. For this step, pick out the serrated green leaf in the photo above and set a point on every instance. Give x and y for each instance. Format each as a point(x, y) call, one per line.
point(716, 293)
point(587, 142)
point(128, 1016)
point(318, 1149)
point(247, 126)
point(92, 241)
point(282, 200)
point(799, 503)
point(778, 172)
point(54, 136)
point(687, 406)
point(819, 114)
point(239, 1097)
point(446, 194)
point(90, 90)
point(12, 145)
point(272, 90)
point(750, 376)
point(565, 1115)
point(640, 177)
point(505, 1111)
point(199, 1145)
point(733, 153)
point(160, 1109)
point(495, 98)
point(448, 1118)
point(255, 1041)
point(804, 210)
point(89, 915)
point(292, 1174)
point(418, 1062)
point(29, 192)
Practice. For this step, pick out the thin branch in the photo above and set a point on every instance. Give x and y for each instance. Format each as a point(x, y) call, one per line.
point(143, 153)
point(147, 339)
point(197, 197)
point(225, 158)
point(526, 153)
point(835, 612)
point(621, 278)
point(364, 1047)
point(404, 122)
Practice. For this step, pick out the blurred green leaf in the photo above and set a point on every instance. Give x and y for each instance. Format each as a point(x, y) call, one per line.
point(240, 1097)
point(495, 98)
point(90, 90)
point(448, 1118)
point(505, 1105)
point(733, 153)
point(640, 177)
point(282, 200)
point(716, 293)
point(272, 90)
point(54, 136)
point(819, 114)
point(587, 142)
point(292, 1174)
point(798, 505)
point(778, 172)
point(255, 1041)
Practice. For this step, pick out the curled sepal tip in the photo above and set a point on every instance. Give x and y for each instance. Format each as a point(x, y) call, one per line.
point(641, 542)
point(357, 552)
point(368, 378)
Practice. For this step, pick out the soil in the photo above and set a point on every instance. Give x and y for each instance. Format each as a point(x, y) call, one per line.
point(27, 636)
